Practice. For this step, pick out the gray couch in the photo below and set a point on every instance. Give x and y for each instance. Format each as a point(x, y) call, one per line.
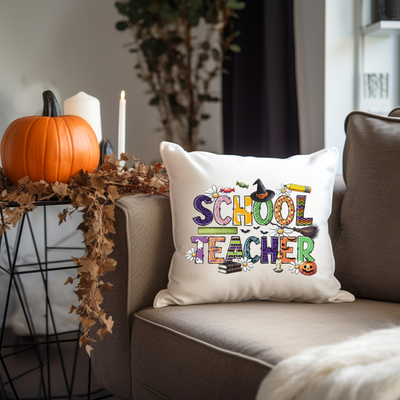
point(212, 351)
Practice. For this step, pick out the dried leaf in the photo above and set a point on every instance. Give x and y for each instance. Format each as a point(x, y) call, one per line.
point(113, 193)
point(77, 261)
point(13, 216)
point(108, 212)
point(108, 167)
point(61, 189)
point(3, 228)
point(62, 216)
point(124, 156)
point(81, 293)
point(37, 187)
point(25, 201)
point(109, 226)
point(89, 266)
point(24, 180)
point(102, 332)
point(98, 181)
point(11, 196)
point(88, 348)
point(157, 167)
point(107, 322)
point(84, 199)
point(69, 280)
point(83, 227)
point(86, 322)
point(143, 168)
point(71, 310)
point(98, 297)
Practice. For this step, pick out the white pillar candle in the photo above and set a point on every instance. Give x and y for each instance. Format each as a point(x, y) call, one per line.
point(122, 124)
point(87, 107)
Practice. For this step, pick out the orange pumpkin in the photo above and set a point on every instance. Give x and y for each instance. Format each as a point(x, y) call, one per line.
point(50, 147)
point(308, 268)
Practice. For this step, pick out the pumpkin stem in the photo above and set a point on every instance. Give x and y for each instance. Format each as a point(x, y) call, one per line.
point(50, 105)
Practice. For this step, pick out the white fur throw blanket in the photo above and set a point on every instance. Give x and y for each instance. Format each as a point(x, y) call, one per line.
point(363, 368)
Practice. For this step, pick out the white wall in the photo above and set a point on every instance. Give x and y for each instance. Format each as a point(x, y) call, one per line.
point(339, 71)
point(309, 24)
point(325, 71)
point(67, 47)
point(71, 46)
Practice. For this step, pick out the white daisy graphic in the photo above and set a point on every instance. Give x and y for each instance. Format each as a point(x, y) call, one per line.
point(283, 190)
point(214, 192)
point(245, 264)
point(295, 267)
point(280, 231)
point(191, 254)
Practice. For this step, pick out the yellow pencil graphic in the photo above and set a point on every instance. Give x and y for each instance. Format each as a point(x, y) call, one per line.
point(298, 188)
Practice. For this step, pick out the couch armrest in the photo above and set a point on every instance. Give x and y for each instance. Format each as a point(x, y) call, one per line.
point(143, 251)
point(334, 219)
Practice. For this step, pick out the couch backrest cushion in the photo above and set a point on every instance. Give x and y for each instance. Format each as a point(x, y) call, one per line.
point(223, 214)
point(367, 250)
point(395, 112)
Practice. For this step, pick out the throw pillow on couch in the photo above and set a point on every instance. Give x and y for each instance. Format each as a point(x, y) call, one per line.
point(268, 217)
point(369, 257)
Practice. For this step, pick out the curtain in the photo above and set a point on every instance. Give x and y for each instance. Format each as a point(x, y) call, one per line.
point(259, 95)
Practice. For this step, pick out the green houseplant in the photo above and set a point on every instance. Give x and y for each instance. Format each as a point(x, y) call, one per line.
point(181, 46)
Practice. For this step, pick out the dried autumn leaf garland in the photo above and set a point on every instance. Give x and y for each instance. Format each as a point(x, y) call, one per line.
point(94, 195)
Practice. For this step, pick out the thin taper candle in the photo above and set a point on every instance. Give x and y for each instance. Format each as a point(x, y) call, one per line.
point(122, 124)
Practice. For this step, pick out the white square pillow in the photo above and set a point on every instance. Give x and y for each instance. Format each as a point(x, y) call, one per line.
point(250, 228)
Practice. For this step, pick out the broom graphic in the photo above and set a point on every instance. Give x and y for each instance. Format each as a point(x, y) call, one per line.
point(311, 231)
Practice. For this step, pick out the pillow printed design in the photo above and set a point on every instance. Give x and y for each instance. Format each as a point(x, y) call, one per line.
point(277, 242)
point(250, 228)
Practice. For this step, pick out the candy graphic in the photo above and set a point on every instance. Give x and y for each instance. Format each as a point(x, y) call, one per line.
point(298, 188)
point(227, 190)
point(242, 185)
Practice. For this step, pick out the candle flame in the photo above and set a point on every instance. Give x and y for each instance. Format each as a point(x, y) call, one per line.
point(123, 94)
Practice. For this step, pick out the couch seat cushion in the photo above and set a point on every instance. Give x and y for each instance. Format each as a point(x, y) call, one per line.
point(218, 351)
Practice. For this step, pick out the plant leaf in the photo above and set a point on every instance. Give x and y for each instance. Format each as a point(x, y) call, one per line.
point(121, 25)
point(235, 5)
point(235, 48)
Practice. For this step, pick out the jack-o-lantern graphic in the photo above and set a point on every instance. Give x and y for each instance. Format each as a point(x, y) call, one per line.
point(308, 268)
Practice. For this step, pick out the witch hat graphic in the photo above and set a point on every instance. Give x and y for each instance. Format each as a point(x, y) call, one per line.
point(262, 194)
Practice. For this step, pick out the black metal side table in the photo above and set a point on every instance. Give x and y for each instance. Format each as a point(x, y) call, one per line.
point(40, 366)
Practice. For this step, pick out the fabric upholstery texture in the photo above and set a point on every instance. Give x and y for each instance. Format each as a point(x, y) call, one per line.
point(140, 273)
point(366, 251)
point(233, 346)
point(334, 219)
point(222, 212)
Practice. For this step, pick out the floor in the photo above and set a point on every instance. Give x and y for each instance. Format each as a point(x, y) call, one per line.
point(68, 372)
